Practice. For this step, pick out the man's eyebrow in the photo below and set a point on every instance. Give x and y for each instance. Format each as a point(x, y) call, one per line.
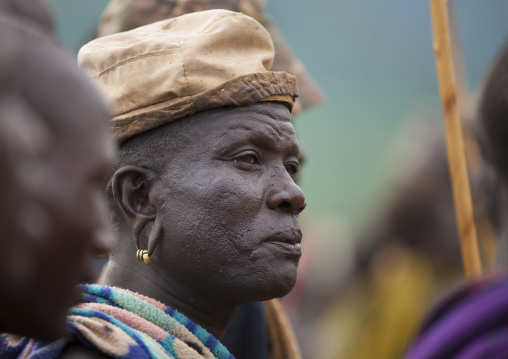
point(267, 136)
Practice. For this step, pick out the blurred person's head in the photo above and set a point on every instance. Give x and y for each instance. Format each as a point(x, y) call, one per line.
point(419, 215)
point(492, 131)
point(55, 154)
point(470, 322)
point(204, 179)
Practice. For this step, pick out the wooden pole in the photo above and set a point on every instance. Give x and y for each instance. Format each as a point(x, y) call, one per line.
point(454, 139)
point(459, 67)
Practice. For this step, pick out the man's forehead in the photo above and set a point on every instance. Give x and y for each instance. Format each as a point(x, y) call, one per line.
point(264, 124)
point(268, 118)
point(258, 113)
point(259, 124)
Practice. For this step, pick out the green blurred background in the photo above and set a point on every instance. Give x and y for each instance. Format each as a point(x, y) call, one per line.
point(374, 62)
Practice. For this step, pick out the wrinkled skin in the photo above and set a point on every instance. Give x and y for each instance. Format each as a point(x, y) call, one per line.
point(228, 206)
point(242, 197)
point(55, 156)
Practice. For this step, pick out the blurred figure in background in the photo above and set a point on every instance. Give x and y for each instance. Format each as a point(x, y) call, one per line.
point(408, 256)
point(55, 153)
point(473, 321)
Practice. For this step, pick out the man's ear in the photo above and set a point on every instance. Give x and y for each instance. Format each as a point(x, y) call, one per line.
point(132, 187)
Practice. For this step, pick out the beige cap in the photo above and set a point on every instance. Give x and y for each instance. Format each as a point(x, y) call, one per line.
point(123, 15)
point(171, 69)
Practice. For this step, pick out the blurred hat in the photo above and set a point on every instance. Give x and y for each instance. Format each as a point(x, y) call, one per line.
point(123, 15)
point(171, 69)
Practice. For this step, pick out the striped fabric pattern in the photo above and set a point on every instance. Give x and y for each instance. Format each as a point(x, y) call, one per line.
point(124, 324)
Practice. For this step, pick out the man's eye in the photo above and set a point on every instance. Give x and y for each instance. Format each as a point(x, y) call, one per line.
point(250, 159)
point(292, 169)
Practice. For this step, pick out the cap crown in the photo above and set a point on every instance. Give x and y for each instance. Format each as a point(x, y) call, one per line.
point(177, 67)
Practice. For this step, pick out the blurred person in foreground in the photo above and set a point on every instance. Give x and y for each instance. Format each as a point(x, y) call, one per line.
point(55, 154)
point(472, 323)
point(202, 198)
point(249, 335)
point(408, 256)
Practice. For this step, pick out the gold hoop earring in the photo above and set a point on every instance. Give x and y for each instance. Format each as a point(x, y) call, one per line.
point(142, 256)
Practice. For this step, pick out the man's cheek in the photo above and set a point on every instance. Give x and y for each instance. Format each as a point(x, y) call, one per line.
point(232, 202)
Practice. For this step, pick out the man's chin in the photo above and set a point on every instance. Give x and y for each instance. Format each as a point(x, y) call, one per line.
point(283, 289)
point(276, 285)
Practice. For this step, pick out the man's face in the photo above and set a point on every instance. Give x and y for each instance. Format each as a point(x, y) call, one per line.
point(59, 159)
point(230, 205)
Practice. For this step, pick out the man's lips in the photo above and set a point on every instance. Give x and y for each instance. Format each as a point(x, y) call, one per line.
point(291, 248)
point(289, 236)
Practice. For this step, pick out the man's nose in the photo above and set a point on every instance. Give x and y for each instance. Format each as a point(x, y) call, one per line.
point(285, 195)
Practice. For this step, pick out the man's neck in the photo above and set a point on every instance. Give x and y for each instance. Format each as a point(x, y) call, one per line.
point(148, 281)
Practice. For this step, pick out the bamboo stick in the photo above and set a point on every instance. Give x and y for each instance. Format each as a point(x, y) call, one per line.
point(454, 139)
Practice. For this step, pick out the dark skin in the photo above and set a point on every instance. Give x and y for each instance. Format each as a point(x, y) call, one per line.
point(57, 157)
point(220, 203)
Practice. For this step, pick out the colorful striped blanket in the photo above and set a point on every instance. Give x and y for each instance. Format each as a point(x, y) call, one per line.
point(125, 325)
